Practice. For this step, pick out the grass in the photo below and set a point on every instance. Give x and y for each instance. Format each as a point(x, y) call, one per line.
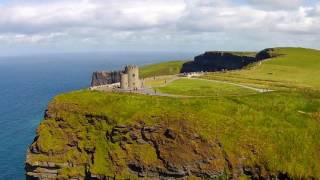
point(158, 80)
point(243, 53)
point(296, 67)
point(52, 137)
point(196, 87)
point(164, 68)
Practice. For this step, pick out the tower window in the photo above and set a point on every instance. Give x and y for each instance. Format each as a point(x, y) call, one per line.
point(133, 75)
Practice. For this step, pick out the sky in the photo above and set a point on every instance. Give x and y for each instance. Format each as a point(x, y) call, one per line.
point(46, 26)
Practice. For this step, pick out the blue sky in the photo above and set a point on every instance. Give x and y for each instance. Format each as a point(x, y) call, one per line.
point(43, 26)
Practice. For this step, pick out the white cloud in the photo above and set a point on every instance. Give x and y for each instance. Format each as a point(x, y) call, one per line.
point(222, 18)
point(277, 4)
point(233, 18)
point(26, 38)
point(161, 23)
point(299, 22)
point(111, 14)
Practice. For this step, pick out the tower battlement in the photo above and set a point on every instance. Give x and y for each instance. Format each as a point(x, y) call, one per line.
point(131, 67)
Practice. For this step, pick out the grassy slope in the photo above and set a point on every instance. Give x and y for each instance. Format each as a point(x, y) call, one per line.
point(296, 67)
point(279, 130)
point(164, 68)
point(158, 81)
point(194, 87)
point(244, 53)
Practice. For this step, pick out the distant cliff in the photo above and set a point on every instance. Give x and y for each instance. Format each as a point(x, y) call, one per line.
point(224, 60)
point(104, 77)
point(266, 54)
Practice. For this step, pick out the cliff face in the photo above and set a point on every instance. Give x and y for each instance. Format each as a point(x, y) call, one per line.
point(157, 151)
point(266, 54)
point(154, 152)
point(104, 77)
point(94, 135)
point(219, 60)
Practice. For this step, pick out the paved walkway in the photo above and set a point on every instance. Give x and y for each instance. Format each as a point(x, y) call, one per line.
point(151, 92)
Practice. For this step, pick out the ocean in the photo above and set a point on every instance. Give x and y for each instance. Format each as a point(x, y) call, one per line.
point(28, 83)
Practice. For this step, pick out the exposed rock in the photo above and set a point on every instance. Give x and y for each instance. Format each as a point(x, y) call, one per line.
point(170, 134)
point(42, 170)
point(103, 78)
point(159, 151)
point(266, 54)
point(180, 158)
point(217, 61)
point(46, 114)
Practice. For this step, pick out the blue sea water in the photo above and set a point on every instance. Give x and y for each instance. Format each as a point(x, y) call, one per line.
point(28, 83)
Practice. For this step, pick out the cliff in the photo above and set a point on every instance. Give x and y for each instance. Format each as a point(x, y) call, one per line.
point(266, 54)
point(224, 60)
point(105, 77)
point(98, 147)
point(96, 135)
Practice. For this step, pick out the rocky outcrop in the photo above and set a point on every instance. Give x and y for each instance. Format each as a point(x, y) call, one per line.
point(104, 77)
point(219, 60)
point(179, 153)
point(44, 170)
point(156, 152)
point(159, 151)
point(266, 54)
point(75, 144)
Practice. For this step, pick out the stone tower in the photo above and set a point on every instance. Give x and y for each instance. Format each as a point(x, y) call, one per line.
point(124, 83)
point(133, 76)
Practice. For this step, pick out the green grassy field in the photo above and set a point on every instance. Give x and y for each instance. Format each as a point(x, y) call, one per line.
point(196, 87)
point(295, 67)
point(279, 131)
point(164, 68)
point(158, 81)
